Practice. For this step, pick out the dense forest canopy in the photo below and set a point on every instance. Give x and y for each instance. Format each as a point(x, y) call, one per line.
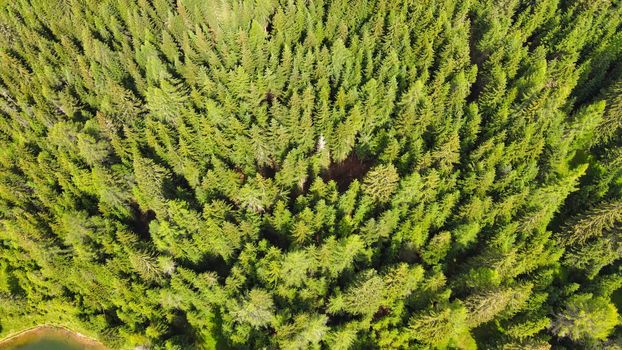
point(313, 174)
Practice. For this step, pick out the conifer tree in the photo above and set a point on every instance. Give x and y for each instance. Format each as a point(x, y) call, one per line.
point(312, 174)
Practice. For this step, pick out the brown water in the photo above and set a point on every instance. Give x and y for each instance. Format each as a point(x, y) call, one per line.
point(50, 338)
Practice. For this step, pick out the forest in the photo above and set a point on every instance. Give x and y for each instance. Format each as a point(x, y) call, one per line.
point(313, 174)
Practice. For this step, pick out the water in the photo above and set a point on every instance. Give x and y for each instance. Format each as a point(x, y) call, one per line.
point(48, 344)
point(50, 339)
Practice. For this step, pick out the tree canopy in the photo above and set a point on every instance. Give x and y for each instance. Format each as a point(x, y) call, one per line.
point(313, 174)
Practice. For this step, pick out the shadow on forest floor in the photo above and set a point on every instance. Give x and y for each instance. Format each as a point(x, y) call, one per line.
point(344, 172)
point(141, 220)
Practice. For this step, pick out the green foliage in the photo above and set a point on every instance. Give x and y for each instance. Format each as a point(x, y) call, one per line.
point(433, 174)
point(441, 328)
point(380, 183)
point(585, 317)
point(257, 310)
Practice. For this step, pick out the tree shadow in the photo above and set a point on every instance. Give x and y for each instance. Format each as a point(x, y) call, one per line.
point(346, 171)
point(140, 220)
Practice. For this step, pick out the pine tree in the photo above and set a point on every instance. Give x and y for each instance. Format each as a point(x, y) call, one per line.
point(585, 316)
point(326, 174)
point(381, 182)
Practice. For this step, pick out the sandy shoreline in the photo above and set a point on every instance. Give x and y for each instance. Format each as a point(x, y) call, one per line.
point(27, 335)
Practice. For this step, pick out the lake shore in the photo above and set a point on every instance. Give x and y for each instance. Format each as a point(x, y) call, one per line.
point(30, 334)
